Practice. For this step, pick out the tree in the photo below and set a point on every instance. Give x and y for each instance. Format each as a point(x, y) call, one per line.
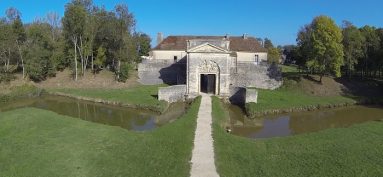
point(73, 23)
point(39, 52)
point(12, 14)
point(53, 19)
point(273, 55)
point(322, 40)
point(380, 53)
point(125, 27)
point(20, 38)
point(268, 44)
point(144, 44)
point(100, 58)
point(353, 41)
point(370, 49)
point(6, 45)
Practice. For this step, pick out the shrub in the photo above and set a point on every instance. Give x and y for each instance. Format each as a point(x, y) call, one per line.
point(123, 75)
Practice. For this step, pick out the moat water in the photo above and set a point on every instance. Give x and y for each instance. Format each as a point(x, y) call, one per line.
point(300, 122)
point(128, 118)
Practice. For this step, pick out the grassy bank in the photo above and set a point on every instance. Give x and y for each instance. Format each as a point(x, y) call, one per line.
point(302, 92)
point(41, 143)
point(21, 91)
point(354, 151)
point(137, 97)
point(288, 100)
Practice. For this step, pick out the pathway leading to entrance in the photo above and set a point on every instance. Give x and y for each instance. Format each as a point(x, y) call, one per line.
point(203, 153)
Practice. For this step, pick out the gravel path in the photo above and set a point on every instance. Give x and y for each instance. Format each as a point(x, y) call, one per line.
point(203, 153)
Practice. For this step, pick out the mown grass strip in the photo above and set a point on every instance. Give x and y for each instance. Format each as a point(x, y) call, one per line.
point(139, 97)
point(285, 99)
point(36, 142)
point(353, 151)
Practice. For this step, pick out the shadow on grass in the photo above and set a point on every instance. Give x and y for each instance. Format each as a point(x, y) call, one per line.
point(312, 79)
point(293, 76)
point(155, 96)
point(366, 89)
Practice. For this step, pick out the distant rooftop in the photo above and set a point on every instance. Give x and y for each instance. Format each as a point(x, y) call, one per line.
point(237, 43)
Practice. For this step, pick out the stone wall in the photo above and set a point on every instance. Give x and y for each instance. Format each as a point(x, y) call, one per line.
point(153, 72)
point(241, 95)
point(172, 93)
point(237, 95)
point(196, 65)
point(248, 74)
point(251, 96)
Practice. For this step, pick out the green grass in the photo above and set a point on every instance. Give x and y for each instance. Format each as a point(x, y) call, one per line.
point(20, 92)
point(288, 98)
point(141, 96)
point(289, 69)
point(353, 151)
point(35, 142)
point(292, 95)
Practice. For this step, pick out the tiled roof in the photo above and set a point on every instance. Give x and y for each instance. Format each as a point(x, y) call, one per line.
point(237, 43)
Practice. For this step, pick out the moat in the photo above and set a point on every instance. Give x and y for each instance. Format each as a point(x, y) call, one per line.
point(128, 118)
point(300, 122)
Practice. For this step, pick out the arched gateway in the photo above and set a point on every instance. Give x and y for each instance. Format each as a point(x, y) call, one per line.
point(208, 72)
point(208, 67)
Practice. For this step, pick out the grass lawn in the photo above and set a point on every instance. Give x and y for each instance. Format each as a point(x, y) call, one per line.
point(36, 142)
point(353, 151)
point(140, 96)
point(289, 69)
point(294, 94)
point(285, 98)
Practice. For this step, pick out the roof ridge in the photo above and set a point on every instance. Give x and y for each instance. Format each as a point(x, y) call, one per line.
point(237, 43)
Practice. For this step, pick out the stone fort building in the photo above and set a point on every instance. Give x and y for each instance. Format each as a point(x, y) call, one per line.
point(219, 65)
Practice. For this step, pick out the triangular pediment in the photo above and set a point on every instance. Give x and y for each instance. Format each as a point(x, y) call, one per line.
point(207, 48)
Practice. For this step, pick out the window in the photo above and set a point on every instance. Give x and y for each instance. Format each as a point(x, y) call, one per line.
point(175, 59)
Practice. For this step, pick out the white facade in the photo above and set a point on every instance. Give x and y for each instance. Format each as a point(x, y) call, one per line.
point(251, 56)
point(179, 54)
point(167, 54)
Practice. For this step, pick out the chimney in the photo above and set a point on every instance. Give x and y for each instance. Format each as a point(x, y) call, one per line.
point(244, 36)
point(227, 36)
point(160, 38)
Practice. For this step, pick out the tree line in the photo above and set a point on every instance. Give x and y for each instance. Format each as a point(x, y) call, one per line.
point(86, 38)
point(327, 49)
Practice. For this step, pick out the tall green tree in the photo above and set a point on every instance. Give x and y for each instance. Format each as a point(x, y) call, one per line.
point(100, 58)
point(7, 44)
point(125, 28)
point(370, 49)
point(323, 39)
point(143, 44)
point(73, 26)
point(268, 44)
point(20, 38)
point(273, 54)
point(380, 53)
point(353, 41)
point(39, 52)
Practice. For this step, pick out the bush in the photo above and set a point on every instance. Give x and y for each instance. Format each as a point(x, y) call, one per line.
point(22, 91)
point(123, 75)
point(7, 77)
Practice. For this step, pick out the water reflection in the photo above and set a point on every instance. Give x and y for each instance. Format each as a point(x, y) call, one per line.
point(300, 122)
point(132, 119)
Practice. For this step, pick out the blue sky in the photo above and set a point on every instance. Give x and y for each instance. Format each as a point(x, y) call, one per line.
point(278, 20)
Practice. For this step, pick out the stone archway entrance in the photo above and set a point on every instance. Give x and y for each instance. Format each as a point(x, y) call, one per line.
point(208, 83)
